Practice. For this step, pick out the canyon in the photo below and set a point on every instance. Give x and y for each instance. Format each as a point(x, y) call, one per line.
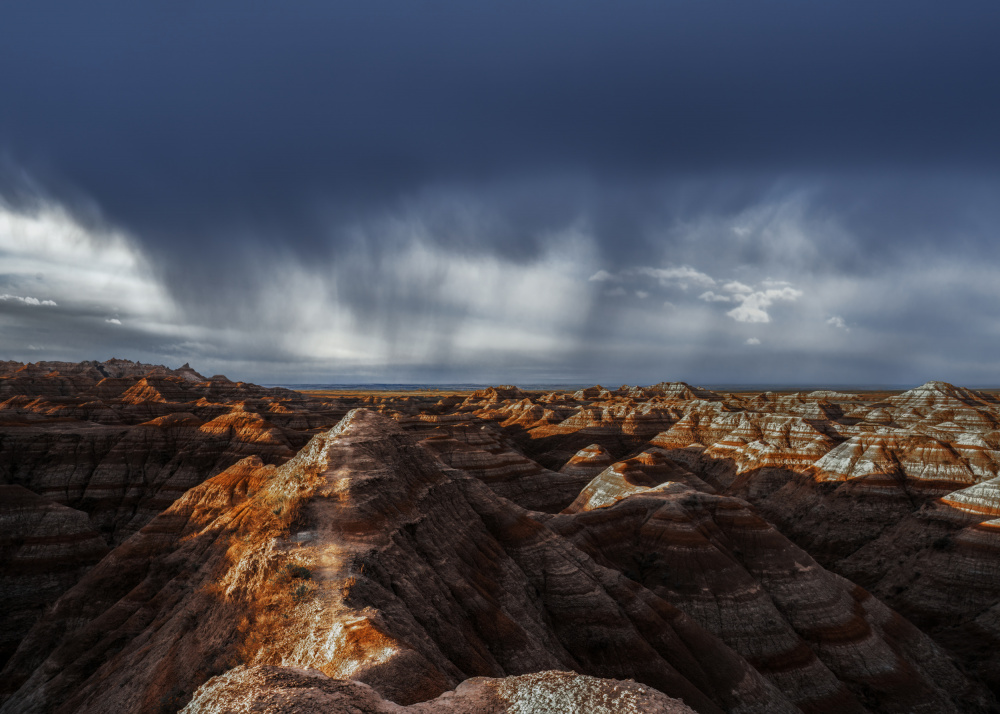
point(173, 542)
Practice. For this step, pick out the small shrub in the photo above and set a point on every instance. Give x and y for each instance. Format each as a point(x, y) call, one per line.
point(298, 572)
point(345, 588)
point(292, 571)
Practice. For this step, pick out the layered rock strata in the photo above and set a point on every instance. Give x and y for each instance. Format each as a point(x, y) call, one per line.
point(44, 549)
point(812, 633)
point(365, 557)
point(396, 550)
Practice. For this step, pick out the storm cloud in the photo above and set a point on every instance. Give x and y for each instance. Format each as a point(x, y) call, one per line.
point(438, 191)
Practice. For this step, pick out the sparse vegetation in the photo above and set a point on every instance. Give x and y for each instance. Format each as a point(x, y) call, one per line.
point(345, 588)
point(292, 582)
point(293, 571)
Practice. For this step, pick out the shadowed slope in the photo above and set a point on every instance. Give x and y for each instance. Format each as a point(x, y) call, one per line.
point(363, 557)
point(44, 549)
point(814, 634)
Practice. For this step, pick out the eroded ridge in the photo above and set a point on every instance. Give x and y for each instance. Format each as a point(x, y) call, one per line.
point(813, 552)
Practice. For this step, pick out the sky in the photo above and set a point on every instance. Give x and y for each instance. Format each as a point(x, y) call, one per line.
point(720, 192)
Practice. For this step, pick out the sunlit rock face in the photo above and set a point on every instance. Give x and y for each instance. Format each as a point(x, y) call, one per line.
point(649, 470)
point(122, 440)
point(725, 444)
point(587, 462)
point(364, 557)
point(980, 499)
point(806, 552)
point(288, 689)
point(837, 473)
point(91, 452)
point(123, 475)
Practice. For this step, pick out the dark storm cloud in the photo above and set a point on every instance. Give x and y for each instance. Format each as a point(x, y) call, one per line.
point(426, 186)
point(182, 120)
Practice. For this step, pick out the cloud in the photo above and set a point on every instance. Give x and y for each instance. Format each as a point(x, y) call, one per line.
point(641, 294)
point(411, 304)
point(753, 307)
point(681, 276)
point(753, 302)
point(396, 295)
point(838, 321)
point(85, 265)
point(325, 231)
point(752, 341)
point(29, 300)
point(734, 286)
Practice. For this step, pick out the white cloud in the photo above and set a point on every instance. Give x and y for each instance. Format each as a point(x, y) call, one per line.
point(752, 341)
point(428, 306)
point(641, 294)
point(753, 307)
point(838, 321)
point(681, 276)
point(28, 300)
point(85, 268)
point(735, 286)
point(752, 302)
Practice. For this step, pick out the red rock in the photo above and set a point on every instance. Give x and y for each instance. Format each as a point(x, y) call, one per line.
point(588, 462)
point(436, 575)
point(812, 633)
point(419, 578)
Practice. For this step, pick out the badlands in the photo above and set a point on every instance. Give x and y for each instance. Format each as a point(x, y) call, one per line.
point(171, 542)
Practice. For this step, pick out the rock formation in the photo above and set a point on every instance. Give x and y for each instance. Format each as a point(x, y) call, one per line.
point(494, 551)
point(290, 690)
point(363, 557)
point(805, 629)
point(44, 549)
point(91, 452)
